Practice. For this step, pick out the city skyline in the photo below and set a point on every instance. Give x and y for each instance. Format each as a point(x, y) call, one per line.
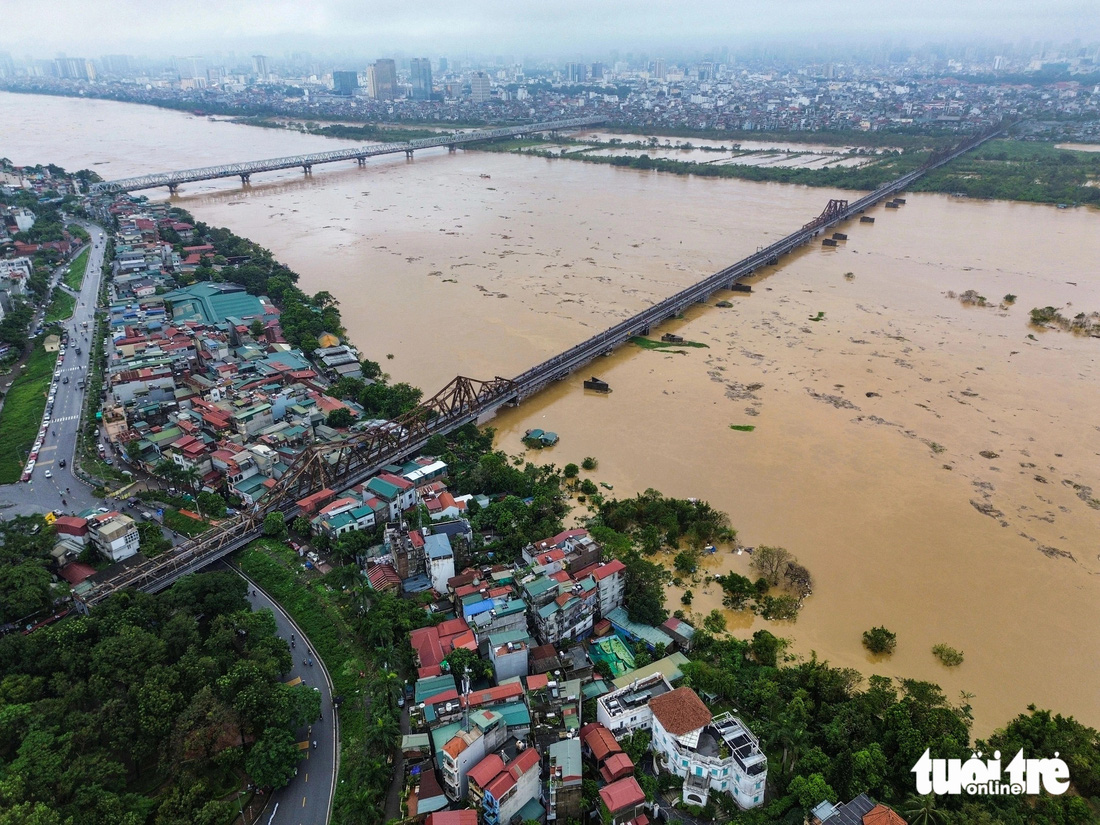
point(532, 30)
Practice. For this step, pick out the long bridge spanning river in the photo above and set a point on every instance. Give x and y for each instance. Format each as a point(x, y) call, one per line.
point(345, 463)
point(245, 170)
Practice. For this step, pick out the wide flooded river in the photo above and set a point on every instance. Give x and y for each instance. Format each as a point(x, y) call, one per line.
point(934, 464)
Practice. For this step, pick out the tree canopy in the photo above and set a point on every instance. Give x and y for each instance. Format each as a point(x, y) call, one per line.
point(173, 693)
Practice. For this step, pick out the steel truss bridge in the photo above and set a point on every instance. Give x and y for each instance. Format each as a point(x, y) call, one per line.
point(348, 462)
point(306, 162)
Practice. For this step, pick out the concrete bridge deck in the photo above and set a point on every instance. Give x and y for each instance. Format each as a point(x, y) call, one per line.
point(245, 170)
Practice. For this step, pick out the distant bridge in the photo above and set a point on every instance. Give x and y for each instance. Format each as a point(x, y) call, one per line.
point(245, 170)
point(343, 464)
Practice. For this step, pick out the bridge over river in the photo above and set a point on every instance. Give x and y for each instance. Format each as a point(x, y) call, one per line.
point(360, 154)
point(345, 463)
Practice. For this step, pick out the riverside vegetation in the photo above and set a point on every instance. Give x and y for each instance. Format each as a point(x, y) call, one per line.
point(1002, 169)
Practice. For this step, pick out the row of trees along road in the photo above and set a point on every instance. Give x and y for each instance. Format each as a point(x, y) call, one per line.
point(155, 709)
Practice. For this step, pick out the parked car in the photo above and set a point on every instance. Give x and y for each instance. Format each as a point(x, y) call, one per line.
point(61, 464)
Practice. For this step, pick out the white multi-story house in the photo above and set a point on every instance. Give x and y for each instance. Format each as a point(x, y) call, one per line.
point(114, 535)
point(718, 753)
point(439, 561)
point(626, 710)
point(611, 578)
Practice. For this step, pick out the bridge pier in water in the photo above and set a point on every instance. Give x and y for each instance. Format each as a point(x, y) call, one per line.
point(408, 154)
point(361, 161)
point(172, 188)
point(246, 179)
point(307, 168)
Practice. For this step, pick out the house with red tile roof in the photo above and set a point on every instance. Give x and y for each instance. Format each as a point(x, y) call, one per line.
point(624, 800)
point(433, 644)
point(501, 790)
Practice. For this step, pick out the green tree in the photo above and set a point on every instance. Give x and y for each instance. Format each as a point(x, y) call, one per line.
point(922, 810)
point(687, 598)
point(571, 471)
point(301, 526)
point(590, 463)
point(737, 590)
point(256, 328)
point(272, 761)
point(24, 589)
point(462, 661)
point(211, 504)
point(880, 640)
point(644, 589)
point(766, 647)
point(715, 622)
point(810, 790)
point(151, 540)
point(588, 487)
point(275, 526)
point(340, 418)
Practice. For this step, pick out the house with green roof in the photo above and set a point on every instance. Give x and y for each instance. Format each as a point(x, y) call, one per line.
point(212, 303)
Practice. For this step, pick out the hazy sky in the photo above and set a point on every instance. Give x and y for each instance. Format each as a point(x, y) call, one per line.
point(522, 27)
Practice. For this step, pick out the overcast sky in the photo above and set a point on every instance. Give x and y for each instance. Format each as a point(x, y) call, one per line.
point(534, 28)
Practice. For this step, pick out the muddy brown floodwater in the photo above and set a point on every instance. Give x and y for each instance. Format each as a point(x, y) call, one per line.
point(934, 464)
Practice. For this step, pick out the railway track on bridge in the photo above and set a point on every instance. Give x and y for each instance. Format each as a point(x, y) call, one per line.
point(464, 400)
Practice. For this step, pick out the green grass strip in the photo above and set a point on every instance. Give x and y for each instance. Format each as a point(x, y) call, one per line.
point(61, 307)
point(75, 276)
point(184, 524)
point(649, 343)
point(22, 413)
point(743, 428)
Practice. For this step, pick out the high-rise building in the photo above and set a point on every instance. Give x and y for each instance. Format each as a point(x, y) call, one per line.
point(191, 67)
point(116, 64)
point(574, 73)
point(659, 71)
point(480, 88)
point(345, 83)
point(259, 66)
point(596, 71)
point(382, 79)
point(442, 65)
point(420, 69)
point(73, 68)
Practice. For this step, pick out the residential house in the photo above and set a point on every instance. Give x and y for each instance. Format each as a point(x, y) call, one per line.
point(564, 797)
point(622, 802)
point(501, 790)
point(718, 753)
point(114, 535)
point(439, 561)
point(625, 710)
point(467, 748)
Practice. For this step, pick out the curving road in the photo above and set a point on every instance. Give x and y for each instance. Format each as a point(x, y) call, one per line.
point(307, 800)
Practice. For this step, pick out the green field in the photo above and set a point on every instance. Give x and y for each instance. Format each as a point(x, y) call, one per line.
point(177, 521)
point(22, 413)
point(75, 276)
point(60, 308)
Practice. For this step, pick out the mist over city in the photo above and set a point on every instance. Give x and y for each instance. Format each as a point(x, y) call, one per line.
point(549, 413)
